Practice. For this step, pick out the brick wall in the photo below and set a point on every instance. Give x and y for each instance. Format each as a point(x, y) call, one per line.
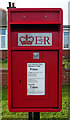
point(66, 53)
point(4, 77)
point(3, 54)
point(66, 76)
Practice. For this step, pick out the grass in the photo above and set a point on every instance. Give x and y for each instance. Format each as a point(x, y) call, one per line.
point(44, 115)
point(3, 65)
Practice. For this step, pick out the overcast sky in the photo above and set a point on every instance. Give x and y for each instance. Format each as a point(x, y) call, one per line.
point(40, 4)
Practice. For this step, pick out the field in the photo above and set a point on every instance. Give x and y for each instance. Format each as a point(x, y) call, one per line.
point(63, 115)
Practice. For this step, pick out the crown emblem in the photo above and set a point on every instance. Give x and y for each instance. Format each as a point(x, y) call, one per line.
point(26, 40)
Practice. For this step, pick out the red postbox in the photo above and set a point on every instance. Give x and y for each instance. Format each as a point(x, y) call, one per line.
point(35, 59)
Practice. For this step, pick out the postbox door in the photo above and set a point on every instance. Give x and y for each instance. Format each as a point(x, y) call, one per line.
point(48, 61)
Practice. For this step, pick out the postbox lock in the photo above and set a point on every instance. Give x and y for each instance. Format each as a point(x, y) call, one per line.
point(19, 81)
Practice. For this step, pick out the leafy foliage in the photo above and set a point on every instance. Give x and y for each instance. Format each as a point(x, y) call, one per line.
point(66, 62)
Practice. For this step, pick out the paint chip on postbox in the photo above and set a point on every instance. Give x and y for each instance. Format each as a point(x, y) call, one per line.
point(34, 39)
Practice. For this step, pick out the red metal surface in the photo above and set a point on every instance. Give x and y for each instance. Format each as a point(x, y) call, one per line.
point(35, 21)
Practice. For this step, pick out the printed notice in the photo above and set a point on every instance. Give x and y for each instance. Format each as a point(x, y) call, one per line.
point(35, 78)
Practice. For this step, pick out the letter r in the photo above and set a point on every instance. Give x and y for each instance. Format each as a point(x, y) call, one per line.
point(46, 40)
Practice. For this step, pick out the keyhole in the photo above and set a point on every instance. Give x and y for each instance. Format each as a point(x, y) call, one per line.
point(19, 81)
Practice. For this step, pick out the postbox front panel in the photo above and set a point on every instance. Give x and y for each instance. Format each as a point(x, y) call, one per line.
point(34, 79)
